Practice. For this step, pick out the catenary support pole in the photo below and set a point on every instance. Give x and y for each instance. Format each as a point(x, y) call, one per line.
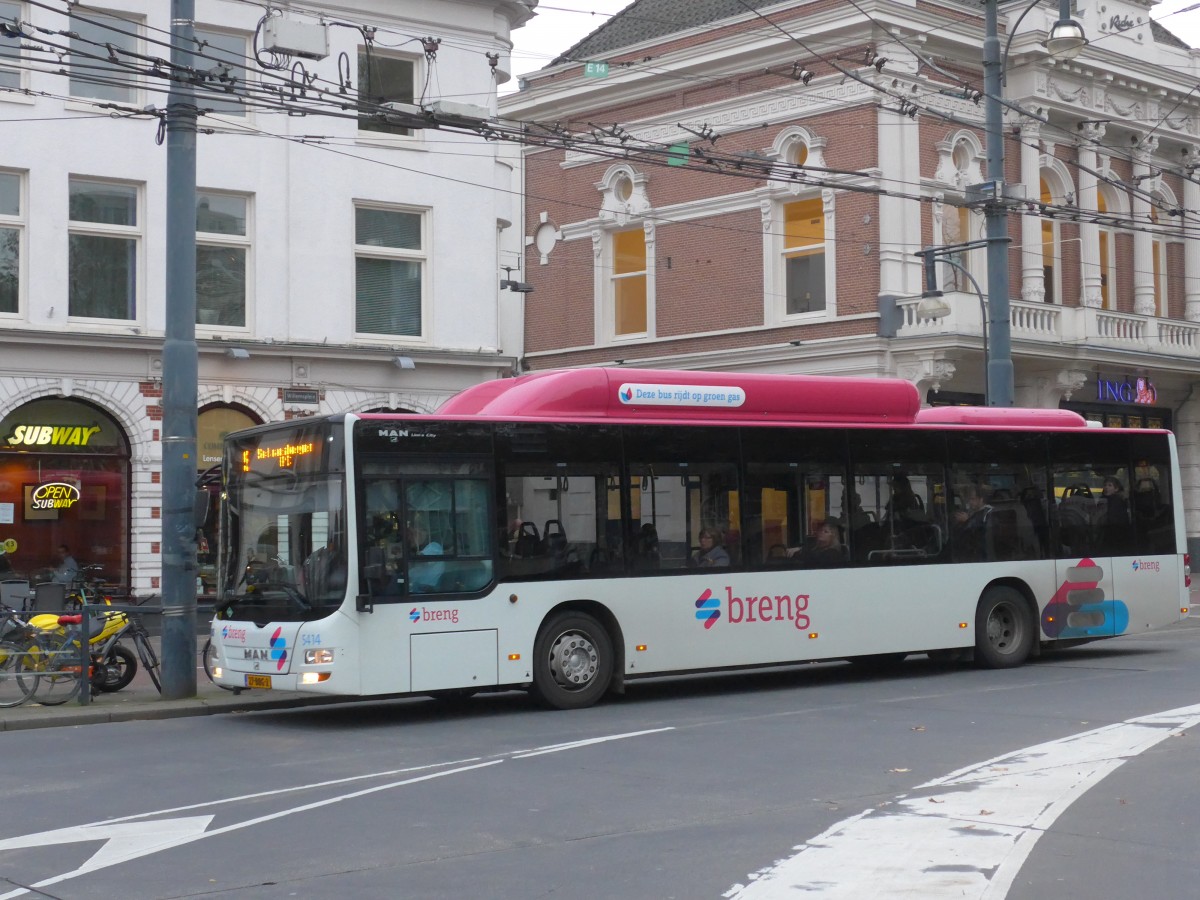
point(1000, 379)
point(180, 370)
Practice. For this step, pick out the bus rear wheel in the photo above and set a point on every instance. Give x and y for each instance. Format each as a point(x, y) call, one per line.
point(572, 661)
point(1003, 629)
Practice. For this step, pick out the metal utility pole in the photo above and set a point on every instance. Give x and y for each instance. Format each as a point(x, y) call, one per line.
point(1000, 379)
point(180, 370)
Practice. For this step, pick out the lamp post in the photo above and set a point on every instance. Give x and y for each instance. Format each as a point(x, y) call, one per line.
point(933, 303)
point(1066, 40)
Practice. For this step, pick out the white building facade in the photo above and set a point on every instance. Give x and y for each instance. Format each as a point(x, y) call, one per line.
point(344, 262)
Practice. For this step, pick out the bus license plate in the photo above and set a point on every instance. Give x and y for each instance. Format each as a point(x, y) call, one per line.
point(258, 681)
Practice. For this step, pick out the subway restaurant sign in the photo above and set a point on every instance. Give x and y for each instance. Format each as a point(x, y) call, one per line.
point(52, 435)
point(59, 425)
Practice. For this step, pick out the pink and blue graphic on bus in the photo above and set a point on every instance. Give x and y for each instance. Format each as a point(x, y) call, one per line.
point(1079, 608)
point(279, 649)
point(708, 608)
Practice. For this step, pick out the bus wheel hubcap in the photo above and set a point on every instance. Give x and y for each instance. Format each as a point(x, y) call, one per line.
point(1002, 628)
point(573, 660)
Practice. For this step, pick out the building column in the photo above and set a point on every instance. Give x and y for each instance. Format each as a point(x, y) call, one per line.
point(1089, 231)
point(1191, 242)
point(1033, 276)
point(1187, 435)
point(899, 155)
point(1143, 241)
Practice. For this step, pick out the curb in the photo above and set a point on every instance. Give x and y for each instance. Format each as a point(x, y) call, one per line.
point(71, 714)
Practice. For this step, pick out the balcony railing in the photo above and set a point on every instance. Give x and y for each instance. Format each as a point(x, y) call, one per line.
point(1047, 323)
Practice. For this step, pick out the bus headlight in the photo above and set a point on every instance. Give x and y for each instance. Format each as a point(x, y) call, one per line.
point(319, 656)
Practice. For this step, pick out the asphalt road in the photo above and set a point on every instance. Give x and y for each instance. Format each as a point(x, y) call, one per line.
point(1060, 779)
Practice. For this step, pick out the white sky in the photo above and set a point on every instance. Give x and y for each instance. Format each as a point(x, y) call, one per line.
point(560, 23)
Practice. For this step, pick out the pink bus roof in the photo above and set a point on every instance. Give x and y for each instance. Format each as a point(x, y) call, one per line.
point(670, 395)
point(1013, 417)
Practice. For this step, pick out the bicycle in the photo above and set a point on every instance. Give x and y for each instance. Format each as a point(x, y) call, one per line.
point(16, 639)
point(55, 662)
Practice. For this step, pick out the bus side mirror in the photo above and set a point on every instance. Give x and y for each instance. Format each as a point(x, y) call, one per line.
point(362, 603)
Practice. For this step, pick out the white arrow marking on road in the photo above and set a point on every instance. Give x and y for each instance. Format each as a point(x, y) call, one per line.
point(126, 839)
point(970, 838)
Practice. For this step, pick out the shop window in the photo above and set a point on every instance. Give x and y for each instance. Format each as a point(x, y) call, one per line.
point(223, 57)
point(390, 260)
point(103, 245)
point(10, 49)
point(383, 79)
point(103, 56)
point(12, 234)
point(64, 479)
point(222, 252)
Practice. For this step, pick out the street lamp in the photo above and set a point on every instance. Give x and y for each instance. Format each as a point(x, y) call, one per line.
point(933, 303)
point(1066, 39)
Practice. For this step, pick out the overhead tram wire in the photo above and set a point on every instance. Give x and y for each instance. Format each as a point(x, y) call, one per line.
point(933, 111)
point(730, 166)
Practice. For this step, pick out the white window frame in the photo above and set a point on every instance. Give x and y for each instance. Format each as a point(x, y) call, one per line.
point(100, 229)
point(130, 22)
point(242, 242)
point(17, 223)
point(606, 272)
point(21, 61)
point(624, 203)
point(415, 136)
point(775, 256)
point(243, 79)
point(421, 256)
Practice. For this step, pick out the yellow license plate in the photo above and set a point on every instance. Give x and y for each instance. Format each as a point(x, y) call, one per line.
point(258, 681)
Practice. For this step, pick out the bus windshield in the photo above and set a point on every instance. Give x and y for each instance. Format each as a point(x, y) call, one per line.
point(284, 554)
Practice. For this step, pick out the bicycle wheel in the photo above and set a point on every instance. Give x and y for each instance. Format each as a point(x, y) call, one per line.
point(49, 671)
point(120, 665)
point(148, 657)
point(13, 691)
point(207, 657)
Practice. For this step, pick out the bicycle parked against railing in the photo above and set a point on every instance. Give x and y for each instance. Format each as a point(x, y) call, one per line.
point(17, 639)
point(54, 661)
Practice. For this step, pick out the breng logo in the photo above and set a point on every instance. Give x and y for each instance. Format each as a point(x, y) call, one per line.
point(233, 634)
point(765, 609)
point(414, 615)
point(1145, 565)
point(279, 649)
point(708, 608)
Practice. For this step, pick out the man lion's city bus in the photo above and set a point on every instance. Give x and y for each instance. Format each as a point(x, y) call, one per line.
point(569, 531)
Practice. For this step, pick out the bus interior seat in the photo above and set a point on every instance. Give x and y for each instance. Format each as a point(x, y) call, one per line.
point(528, 543)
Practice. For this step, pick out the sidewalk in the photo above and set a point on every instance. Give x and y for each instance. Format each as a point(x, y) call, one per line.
point(141, 701)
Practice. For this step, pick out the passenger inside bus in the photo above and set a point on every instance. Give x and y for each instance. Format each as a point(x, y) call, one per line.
point(972, 523)
point(827, 548)
point(711, 552)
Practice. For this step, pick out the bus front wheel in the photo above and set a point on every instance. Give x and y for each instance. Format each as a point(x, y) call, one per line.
point(572, 661)
point(1003, 629)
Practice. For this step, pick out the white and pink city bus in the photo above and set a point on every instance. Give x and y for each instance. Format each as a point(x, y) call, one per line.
point(570, 531)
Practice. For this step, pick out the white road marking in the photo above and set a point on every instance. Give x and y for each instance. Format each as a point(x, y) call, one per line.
point(126, 839)
point(572, 745)
point(964, 835)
